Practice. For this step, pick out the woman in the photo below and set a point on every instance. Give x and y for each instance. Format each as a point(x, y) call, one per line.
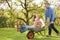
point(38, 23)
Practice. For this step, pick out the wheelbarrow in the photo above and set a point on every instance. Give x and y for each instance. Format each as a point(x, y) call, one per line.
point(32, 31)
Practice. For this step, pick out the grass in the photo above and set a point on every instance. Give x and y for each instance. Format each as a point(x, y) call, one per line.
point(12, 34)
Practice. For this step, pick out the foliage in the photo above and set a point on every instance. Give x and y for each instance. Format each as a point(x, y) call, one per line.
point(12, 34)
point(10, 16)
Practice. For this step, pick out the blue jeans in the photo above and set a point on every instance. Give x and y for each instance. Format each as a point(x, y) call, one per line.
point(24, 28)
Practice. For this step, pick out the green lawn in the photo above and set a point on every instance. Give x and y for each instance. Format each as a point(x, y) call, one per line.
point(12, 34)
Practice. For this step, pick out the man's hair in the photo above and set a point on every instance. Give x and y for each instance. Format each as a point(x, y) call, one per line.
point(47, 3)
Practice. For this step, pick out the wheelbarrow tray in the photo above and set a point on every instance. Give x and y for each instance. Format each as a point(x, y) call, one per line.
point(38, 29)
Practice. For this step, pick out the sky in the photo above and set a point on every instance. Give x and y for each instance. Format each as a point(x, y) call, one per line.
point(37, 2)
point(5, 7)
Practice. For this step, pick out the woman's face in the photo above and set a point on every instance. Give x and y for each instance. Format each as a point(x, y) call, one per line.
point(36, 17)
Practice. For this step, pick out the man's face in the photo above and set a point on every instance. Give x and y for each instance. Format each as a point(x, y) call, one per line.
point(46, 5)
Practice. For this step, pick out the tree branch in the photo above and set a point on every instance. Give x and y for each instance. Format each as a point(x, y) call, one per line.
point(30, 17)
point(25, 4)
point(8, 4)
point(22, 4)
point(31, 10)
point(22, 19)
point(29, 2)
point(23, 12)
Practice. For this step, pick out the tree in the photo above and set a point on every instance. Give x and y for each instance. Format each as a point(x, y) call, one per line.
point(25, 14)
point(27, 7)
point(10, 11)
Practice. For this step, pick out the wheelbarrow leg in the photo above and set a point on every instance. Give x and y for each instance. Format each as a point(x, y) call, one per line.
point(44, 32)
point(41, 33)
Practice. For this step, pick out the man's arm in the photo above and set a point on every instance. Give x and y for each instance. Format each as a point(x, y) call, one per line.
point(52, 16)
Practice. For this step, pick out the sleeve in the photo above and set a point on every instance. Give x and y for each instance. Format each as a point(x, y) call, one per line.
point(43, 24)
point(52, 15)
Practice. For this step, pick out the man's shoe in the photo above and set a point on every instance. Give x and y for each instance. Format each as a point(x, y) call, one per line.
point(58, 33)
point(48, 35)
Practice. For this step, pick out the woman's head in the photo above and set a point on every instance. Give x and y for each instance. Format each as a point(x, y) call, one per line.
point(36, 16)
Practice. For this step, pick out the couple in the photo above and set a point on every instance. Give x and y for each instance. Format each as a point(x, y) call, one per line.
point(38, 24)
point(49, 13)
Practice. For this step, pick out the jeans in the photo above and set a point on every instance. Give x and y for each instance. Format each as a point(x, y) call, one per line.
point(25, 28)
point(50, 27)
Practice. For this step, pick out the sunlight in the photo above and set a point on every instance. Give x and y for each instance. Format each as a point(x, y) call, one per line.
point(38, 1)
point(13, 0)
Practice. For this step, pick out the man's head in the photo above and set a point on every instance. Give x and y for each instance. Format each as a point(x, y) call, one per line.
point(47, 4)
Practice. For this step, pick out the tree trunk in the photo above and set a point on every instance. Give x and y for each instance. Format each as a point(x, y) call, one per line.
point(27, 19)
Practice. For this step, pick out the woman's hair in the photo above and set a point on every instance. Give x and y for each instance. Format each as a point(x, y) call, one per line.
point(34, 17)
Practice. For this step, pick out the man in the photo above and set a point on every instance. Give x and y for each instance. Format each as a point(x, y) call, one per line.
point(49, 13)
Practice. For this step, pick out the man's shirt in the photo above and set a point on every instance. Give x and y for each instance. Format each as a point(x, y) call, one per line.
point(50, 14)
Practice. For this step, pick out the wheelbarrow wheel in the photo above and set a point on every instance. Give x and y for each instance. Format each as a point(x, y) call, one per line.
point(30, 35)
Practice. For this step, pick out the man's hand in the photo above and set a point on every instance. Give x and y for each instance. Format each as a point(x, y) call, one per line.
point(51, 22)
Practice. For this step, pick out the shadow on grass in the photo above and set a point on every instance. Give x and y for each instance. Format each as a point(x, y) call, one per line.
point(47, 38)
